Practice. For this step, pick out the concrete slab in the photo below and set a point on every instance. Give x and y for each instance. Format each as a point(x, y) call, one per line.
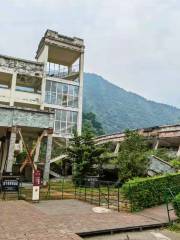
point(20, 220)
point(79, 217)
point(144, 235)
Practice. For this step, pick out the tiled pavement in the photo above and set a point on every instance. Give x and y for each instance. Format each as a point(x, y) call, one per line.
point(60, 219)
point(79, 216)
point(20, 220)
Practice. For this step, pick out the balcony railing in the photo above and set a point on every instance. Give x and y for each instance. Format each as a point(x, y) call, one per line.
point(62, 72)
point(28, 98)
point(21, 66)
point(4, 95)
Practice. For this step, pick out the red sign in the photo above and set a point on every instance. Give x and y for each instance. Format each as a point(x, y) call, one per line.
point(37, 178)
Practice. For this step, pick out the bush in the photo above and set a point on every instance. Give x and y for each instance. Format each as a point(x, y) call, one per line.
point(151, 191)
point(176, 204)
point(176, 163)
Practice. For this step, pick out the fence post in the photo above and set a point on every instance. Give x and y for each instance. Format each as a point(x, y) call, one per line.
point(91, 194)
point(75, 190)
point(99, 194)
point(62, 189)
point(49, 190)
point(80, 191)
point(118, 198)
point(85, 192)
point(108, 194)
point(130, 198)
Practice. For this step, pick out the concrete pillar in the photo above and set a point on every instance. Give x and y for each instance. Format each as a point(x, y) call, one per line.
point(43, 57)
point(48, 158)
point(20, 145)
point(80, 99)
point(1, 146)
point(156, 144)
point(36, 156)
point(4, 157)
point(13, 89)
point(117, 148)
point(70, 69)
point(178, 152)
point(11, 150)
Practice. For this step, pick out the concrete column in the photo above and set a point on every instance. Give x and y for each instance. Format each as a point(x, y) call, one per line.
point(156, 144)
point(13, 89)
point(43, 90)
point(43, 57)
point(20, 145)
point(11, 150)
point(1, 146)
point(36, 156)
point(178, 152)
point(117, 148)
point(4, 157)
point(81, 69)
point(48, 158)
point(70, 69)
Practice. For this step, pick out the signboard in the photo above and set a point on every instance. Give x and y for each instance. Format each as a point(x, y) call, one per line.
point(37, 178)
point(36, 185)
point(10, 185)
point(35, 193)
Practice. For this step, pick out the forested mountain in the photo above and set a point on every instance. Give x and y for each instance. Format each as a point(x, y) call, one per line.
point(117, 109)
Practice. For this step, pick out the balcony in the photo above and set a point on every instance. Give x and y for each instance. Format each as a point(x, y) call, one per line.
point(20, 97)
point(62, 72)
point(27, 98)
point(5, 95)
point(21, 66)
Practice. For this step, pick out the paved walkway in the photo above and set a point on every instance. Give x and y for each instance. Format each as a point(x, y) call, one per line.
point(79, 216)
point(140, 235)
point(60, 219)
point(20, 220)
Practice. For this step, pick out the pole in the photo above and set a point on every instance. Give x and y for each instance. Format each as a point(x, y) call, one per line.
point(118, 199)
point(99, 195)
point(108, 194)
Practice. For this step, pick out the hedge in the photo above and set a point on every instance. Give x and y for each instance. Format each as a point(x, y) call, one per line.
point(151, 191)
point(176, 204)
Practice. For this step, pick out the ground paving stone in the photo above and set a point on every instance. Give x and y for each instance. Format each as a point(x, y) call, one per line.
point(20, 220)
point(79, 217)
point(60, 219)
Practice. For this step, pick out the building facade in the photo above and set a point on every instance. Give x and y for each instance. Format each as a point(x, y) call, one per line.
point(46, 93)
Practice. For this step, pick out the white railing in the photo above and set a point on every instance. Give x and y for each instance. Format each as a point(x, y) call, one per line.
point(29, 98)
point(5, 95)
point(62, 72)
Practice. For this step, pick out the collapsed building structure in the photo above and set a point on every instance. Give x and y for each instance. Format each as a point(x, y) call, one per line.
point(40, 99)
point(167, 136)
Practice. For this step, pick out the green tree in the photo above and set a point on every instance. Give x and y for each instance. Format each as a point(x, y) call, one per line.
point(85, 156)
point(90, 122)
point(132, 160)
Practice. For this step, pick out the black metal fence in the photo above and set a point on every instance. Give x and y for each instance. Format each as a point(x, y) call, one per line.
point(169, 196)
point(100, 193)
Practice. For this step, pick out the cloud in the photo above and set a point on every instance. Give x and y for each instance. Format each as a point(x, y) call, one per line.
point(133, 43)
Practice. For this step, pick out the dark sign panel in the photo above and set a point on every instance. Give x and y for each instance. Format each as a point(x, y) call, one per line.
point(10, 185)
point(37, 178)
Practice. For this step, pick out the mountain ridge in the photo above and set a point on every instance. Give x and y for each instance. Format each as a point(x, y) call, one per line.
point(118, 109)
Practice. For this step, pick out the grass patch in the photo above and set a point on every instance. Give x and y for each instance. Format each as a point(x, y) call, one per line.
point(175, 227)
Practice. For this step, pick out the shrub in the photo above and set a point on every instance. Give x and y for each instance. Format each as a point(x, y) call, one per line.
point(176, 163)
point(176, 204)
point(151, 191)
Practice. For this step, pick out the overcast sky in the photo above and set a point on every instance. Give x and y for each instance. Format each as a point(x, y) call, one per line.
point(132, 43)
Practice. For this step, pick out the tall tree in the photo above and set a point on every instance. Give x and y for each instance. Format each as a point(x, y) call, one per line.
point(84, 155)
point(132, 160)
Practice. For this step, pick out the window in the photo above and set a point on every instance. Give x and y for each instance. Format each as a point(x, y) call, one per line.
point(61, 94)
point(65, 122)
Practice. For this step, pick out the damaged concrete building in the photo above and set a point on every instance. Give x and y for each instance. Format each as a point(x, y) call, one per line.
point(40, 99)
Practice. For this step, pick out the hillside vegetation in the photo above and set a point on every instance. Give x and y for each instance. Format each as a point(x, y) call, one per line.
point(117, 109)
